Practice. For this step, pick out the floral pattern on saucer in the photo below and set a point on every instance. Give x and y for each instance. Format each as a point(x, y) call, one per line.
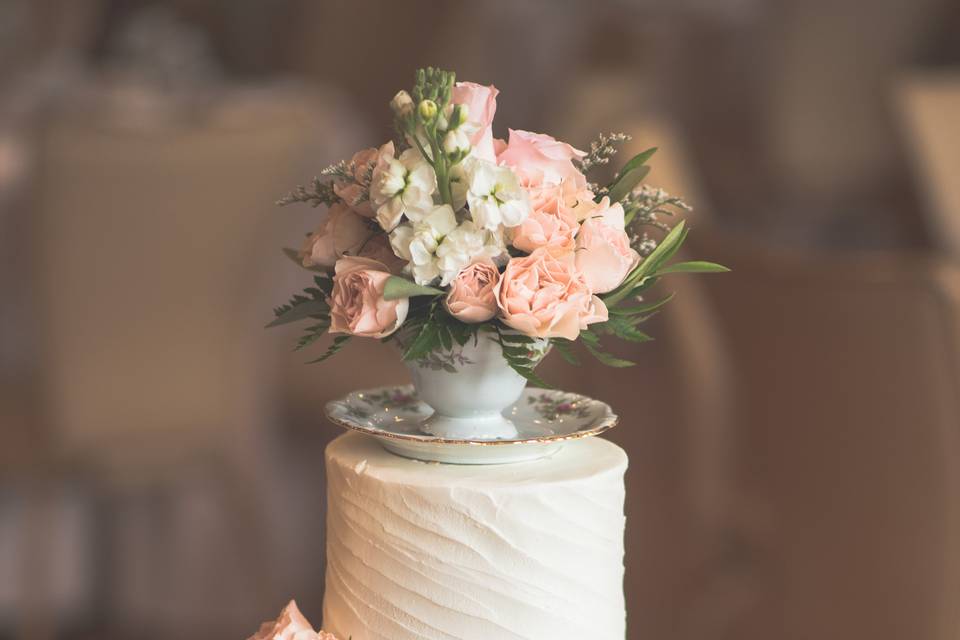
point(544, 420)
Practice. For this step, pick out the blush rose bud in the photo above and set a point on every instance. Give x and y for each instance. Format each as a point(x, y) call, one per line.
point(402, 104)
point(472, 298)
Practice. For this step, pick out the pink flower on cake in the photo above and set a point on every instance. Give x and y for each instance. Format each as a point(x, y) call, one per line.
point(543, 295)
point(604, 255)
point(341, 232)
point(291, 625)
point(481, 105)
point(471, 298)
point(357, 306)
point(537, 154)
point(355, 192)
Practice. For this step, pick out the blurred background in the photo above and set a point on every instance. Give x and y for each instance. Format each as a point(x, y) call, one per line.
point(794, 432)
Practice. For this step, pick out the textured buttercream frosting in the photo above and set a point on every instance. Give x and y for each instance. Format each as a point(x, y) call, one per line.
point(531, 550)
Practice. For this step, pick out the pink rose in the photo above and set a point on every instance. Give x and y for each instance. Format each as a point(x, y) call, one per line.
point(471, 298)
point(291, 625)
point(604, 255)
point(543, 295)
point(357, 306)
point(341, 232)
point(536, 154)
point(553, 219)
point(352, 191)
point(481, 104)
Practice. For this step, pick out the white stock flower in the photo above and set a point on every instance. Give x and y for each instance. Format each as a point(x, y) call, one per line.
point(495, 195)
point(417, 242)
point(458, 186)
point(456, 140)
point(401, 186)
point(465, 244)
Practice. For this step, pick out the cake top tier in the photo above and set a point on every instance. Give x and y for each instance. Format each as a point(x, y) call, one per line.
point(574, 462)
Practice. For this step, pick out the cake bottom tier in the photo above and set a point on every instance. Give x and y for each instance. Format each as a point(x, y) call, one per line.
point(530, 550)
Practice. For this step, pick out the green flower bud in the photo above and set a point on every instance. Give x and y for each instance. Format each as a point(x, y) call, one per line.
point(428, 110)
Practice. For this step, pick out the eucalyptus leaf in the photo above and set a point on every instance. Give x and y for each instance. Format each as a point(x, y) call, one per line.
point(397, 287)
point(636, 161)
point(664, 251)
point(640, 308)
point(622, 187)
point(694, 266)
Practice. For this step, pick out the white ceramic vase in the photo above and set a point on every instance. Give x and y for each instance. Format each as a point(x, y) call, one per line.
point(469, 388)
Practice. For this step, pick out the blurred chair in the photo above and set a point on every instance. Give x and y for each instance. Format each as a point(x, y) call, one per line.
point(158, 263)
point(677, 405)
point(929, 107)
point(849, 370)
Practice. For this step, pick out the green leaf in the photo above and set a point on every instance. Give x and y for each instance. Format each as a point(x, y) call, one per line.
point(446, 339)
point(565, 349)
point(301, 311)
point(664, 251)
point(640, 308)
point(397, 287)
point(428, 338)
point(338, 343)
point(518, 356)
point(635, 162)
point(625, 328)
point(694, 266)
point(324, 282)
point(313, 333)
point(669, 246)
point(609, 360)
point(624, 185)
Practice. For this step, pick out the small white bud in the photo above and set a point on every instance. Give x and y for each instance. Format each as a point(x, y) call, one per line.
point(455, 141)
point(402, 104)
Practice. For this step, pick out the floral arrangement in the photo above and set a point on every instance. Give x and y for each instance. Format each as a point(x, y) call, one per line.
point(446, 232)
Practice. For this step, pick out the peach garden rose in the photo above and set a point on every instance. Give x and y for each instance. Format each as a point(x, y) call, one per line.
point(604, 255)
point(357, 306)
point(471, 298)
point(552, 221)
point(543, 295)
point(341, 232)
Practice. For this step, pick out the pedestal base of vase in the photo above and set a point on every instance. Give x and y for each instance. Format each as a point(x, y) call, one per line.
point(490, 427)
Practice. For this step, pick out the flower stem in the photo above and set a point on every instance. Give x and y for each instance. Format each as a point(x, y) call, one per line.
point(442, 171)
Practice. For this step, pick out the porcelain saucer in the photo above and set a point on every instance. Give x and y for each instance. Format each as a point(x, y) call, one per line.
point(544, 419)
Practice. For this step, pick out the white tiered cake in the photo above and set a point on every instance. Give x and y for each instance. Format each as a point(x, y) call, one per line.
point(530, 550)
